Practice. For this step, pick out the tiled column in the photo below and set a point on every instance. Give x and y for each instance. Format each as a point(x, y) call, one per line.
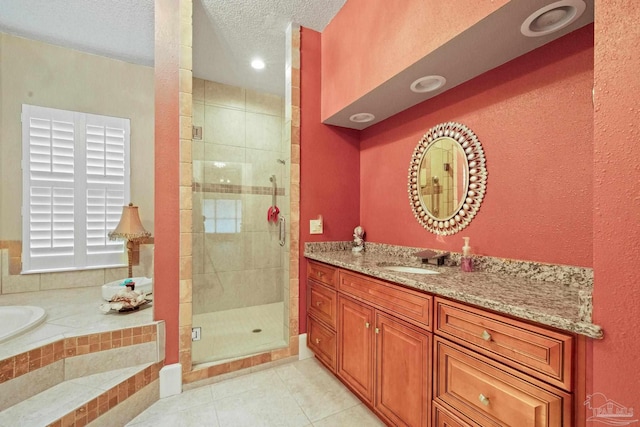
point(186, 177)
point(293, 49)
point(292, 120)
point(167, 172)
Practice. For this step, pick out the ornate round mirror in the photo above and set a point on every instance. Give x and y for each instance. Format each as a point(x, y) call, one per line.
point(447, 178)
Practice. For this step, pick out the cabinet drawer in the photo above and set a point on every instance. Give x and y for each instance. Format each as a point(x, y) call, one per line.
point(322, 273)
point(444, 418)
point(489, 393)
point(321, 303)
point(322, 341)
point(412, 306)
point(540, 352)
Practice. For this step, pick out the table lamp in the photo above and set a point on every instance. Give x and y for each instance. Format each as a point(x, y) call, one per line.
point(130, 229)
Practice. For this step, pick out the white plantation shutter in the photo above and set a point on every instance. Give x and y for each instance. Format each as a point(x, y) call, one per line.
point(107, 184)
point(75, 182)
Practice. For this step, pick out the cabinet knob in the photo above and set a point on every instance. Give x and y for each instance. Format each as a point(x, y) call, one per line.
point(320, 274)
point(486, 336)
point(367, 325)
point(377, 331)
point(483, 399)
point(318, 342)
point(318, 303)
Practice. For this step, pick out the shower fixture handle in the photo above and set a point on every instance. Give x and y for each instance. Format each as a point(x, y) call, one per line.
point(281, 230)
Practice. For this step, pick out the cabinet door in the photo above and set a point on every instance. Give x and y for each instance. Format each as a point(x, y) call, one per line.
point(355, 346)
point(403, 358)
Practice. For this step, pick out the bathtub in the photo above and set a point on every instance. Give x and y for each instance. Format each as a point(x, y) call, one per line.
point(16, 319)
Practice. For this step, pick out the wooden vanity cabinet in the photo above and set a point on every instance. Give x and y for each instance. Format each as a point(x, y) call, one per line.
point(504, 371)
point(321, 311)
point(540, 352)
point(403, 372)
point(384, 347)
point(488, 393)
point(444, 418)
point(355, 346)
point(419, 360)
point(322, 341)
point(386, 361)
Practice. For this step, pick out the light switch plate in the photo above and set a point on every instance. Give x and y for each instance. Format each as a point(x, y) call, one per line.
point(315, 226)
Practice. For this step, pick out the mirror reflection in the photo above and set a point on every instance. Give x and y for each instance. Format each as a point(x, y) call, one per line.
point(443, 178)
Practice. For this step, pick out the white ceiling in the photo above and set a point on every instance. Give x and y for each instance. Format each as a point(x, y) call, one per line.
point(228, 34)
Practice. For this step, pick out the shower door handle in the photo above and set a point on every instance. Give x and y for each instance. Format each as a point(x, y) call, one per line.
point(281, 230)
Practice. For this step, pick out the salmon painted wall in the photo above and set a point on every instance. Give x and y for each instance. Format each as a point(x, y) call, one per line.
point(329, 165)
point(616, 222)
point(534, 118)
point(392, 35)
point(167, 173)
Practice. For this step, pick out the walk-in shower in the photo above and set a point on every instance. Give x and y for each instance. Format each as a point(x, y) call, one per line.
point(240, 207)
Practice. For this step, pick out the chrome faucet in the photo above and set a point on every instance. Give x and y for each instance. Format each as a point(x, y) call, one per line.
point(432, 257)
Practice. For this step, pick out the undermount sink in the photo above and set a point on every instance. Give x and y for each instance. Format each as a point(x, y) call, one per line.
point(407, 269)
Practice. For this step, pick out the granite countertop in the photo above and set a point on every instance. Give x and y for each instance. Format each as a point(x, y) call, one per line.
point(549, 295)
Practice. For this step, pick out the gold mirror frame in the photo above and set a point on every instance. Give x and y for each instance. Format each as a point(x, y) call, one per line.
point(474, 187)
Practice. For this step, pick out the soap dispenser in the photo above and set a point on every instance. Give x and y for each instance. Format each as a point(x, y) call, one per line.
point(466, 262)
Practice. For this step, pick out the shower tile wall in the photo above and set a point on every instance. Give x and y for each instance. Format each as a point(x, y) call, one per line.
point(237, 260)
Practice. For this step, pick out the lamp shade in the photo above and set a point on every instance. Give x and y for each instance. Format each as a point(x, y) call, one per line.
point(130, 227)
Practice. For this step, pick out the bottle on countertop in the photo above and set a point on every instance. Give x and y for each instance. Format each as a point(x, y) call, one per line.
point(466, 262)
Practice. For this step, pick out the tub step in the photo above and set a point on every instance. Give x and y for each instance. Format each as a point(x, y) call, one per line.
point(80, 400)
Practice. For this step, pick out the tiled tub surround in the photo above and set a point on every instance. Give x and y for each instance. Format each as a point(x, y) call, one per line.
point(40, 357)
point(553, 295)
point(96, 360)
point(70, 313)
point(62, 405)
point(12, 282)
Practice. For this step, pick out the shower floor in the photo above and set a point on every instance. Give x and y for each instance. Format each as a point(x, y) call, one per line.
point(230, 334)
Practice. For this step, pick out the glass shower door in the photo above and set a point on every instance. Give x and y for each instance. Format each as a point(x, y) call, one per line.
point(240, 269)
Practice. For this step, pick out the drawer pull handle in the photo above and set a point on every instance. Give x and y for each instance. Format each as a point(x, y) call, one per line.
point(367, 325)
point(318, 342)
point(377, 331)
point(318, 303)
point(483, 399)
point(320, 273)
point(486, 336)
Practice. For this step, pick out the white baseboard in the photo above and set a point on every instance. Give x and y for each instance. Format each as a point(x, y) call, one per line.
point(170, 380)
point(303, 350)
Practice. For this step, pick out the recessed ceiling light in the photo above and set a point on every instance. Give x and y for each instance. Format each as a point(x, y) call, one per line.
point(362, 117)
point(257, 63)
point(428, 84)
point(552, 17)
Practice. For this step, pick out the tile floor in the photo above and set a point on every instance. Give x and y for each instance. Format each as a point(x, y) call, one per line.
point(299, 394)
point(229, 334)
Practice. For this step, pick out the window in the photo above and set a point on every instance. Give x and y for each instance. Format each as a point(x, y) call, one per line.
point(75, 182)
point(223, 216)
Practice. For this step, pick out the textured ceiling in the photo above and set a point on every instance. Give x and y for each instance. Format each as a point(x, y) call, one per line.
point(228, 34)
point(121, 29)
